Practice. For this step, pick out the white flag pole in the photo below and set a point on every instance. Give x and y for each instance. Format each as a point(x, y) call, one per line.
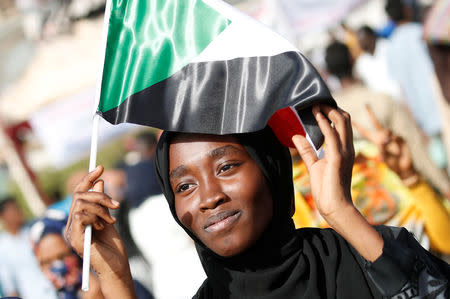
point(88, 230)
point(94, 146)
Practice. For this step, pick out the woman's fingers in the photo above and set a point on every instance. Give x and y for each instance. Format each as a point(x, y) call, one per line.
point(328, 132)
point(99, 198)
point(99, 186)
point(97, 210)
point(341, 122)
point(89, 208)
point(338, 139)
point(75, 229)
point(305, 150)
point(84, 219)
point(89, 179)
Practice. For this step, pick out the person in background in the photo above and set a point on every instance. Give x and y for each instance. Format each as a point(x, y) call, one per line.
point(437, 36)
point(19, 271)
point(350, 39)
point(44, 19)
point(64, 204)
point(377, 191)
point(410, 65)
point(386, 188)
point(58, 262)
point(141, 177)
point(423, 202)
point(371, 65)
point(354, 96)
point(116, 186)
point(386, 30)
point(169, 250)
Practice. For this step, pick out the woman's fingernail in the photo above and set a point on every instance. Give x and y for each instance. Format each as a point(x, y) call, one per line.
point(115, 202)
point(94, 170)
point(315, 108)
point(113, 218)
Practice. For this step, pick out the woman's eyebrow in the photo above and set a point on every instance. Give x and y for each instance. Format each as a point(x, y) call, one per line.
point(224, 150)
point(177, 172)
point(215, 153)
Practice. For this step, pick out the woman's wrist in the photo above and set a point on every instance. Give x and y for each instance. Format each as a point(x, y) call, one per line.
point(117, 284)
point(339, 218)
point(355, 229)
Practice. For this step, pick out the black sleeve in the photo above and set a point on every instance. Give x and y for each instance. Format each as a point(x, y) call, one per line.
point(406, 270)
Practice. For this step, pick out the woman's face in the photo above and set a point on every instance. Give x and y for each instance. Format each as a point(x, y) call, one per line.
point(221, 194)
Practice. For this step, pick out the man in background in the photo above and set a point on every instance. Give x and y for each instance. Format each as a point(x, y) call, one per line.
point(371, 66)
point(410, 65)
point(354, 96)
point(141, 177)
point(19, 271)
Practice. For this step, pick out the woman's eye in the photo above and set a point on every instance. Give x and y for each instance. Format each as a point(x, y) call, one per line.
point(227, 167)
point(183, 187)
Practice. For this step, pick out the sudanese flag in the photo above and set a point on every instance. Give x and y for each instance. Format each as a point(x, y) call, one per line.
point(202, 66)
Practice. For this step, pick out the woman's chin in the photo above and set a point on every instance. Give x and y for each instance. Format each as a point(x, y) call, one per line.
point(229, 248)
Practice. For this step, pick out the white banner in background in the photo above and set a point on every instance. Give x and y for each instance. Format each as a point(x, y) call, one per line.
point(305, 16)
point(65, 127)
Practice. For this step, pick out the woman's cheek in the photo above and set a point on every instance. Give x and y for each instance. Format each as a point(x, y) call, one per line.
point(185, 213)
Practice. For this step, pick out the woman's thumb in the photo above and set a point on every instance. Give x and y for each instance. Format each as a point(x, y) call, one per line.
point(99, 186)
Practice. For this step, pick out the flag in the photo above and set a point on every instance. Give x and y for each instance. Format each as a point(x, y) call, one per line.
point(201, 66)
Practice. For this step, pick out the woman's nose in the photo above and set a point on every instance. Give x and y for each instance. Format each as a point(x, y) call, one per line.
point(212, 196)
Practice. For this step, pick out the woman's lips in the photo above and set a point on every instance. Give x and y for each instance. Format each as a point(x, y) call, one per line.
point(221, 221)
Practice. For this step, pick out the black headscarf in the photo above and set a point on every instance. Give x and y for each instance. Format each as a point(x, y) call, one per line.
point(283, 263)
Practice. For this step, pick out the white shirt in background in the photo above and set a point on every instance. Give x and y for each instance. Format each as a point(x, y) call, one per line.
point(176, 268)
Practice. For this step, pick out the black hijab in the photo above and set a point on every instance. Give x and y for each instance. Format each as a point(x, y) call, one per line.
point(283, 263)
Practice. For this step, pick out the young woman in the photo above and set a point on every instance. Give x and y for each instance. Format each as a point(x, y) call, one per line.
point(233, 195)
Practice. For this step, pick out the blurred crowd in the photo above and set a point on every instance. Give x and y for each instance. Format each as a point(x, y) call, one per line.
point(394, 82)
point(46, 18)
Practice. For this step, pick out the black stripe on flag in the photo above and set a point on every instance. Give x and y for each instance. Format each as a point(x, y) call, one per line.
point(224, 97)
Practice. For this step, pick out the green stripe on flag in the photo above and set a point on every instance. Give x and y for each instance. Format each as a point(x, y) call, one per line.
point(150, 40)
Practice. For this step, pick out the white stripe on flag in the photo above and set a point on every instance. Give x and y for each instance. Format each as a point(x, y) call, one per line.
point(244, 37)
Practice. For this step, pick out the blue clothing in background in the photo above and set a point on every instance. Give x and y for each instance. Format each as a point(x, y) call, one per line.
point(387, 30)
point(141, 291)
point(19, 269)
point(410, 65)
point(62, 205)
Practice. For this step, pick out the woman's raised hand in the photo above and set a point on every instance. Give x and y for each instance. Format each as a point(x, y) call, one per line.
point(331, 181)
point(331, 176)
point(108, 256)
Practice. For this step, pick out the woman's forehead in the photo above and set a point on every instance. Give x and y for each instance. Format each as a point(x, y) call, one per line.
point(187, 141)
point(197, 137)
point(186, 147)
